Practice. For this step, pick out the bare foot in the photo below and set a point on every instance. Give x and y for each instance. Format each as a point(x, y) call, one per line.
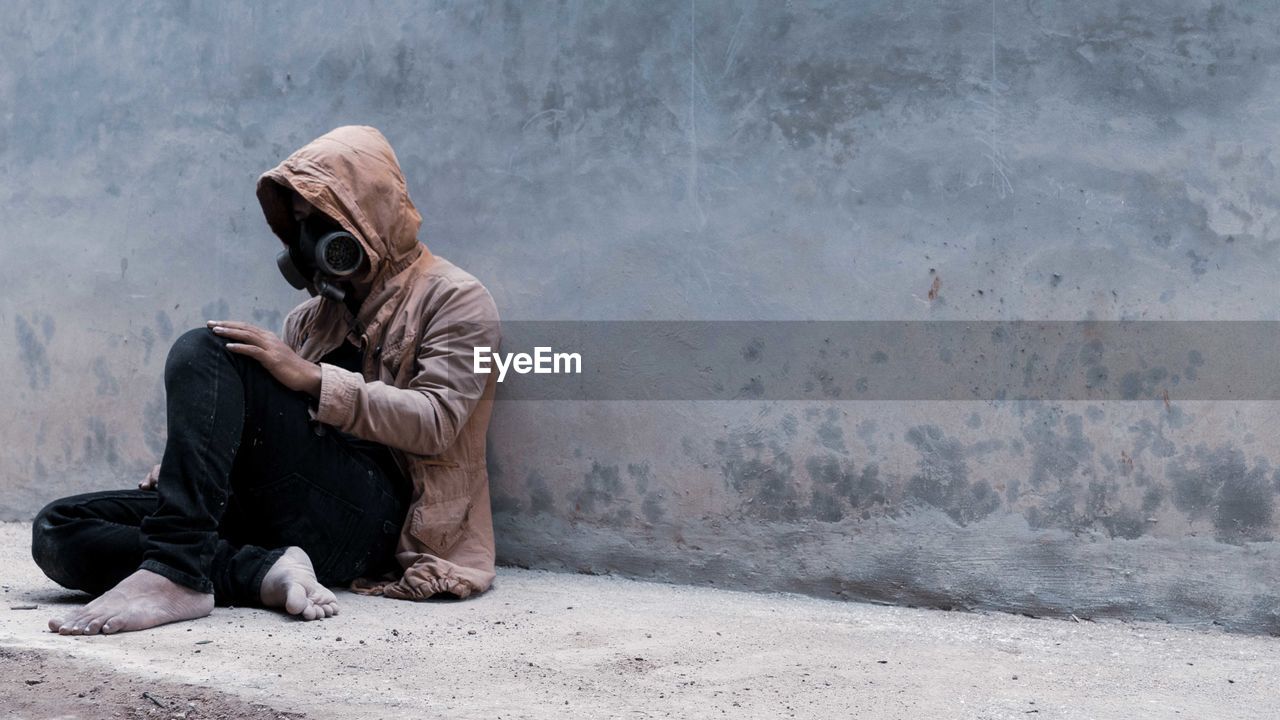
point(291, 584)
point(142, 600)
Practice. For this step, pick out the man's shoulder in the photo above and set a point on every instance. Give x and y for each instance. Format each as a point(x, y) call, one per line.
point(302, 309)
point(443, 270)
point(450, 285)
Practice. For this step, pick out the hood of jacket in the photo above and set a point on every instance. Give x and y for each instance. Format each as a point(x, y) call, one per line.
point(352, 175)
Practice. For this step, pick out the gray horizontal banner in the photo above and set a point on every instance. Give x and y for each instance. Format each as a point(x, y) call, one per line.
point(890, 360)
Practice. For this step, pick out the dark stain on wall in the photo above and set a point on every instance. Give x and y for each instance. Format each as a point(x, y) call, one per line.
point(943, 477)
point(841, 489)
point(750, 390)
point(155, 428)
point(216, 310)
point(148, 342)
point(1104, 505)
point(652, 507)
point(1091, 358)
point(1264, 614)
point(268, 319)
point(32, 352)
point(1057, 456)
point(639, 473)
point(1012, 491)
point(821, 377)
point(867, 429)
point(1246, 504)
point(107, 383)
point(789, 425)
point(761, 472)
point(502, 501)
point(99, 445)
point(1194, 361)
point(540, 498)
point(1152, 499)
point(1218, 484)
point(164, 326)
point(652, 504)
point(1144, 385)
point(830, 433)
point(600, 486)
point(1149, 436)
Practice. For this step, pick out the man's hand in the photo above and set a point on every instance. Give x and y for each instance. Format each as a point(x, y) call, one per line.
point(278, 358)
point(149, 482)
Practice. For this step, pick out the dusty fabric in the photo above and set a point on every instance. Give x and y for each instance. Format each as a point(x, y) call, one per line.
point(417, 393)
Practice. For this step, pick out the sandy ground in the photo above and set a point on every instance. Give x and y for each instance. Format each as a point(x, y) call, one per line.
point(543, 645)
point(45, 685)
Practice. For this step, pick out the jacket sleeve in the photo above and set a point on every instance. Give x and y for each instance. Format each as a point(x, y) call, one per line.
point(426, 416)
point(292, 321)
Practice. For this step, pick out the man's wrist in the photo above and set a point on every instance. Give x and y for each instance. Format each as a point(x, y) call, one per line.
point(313, 377)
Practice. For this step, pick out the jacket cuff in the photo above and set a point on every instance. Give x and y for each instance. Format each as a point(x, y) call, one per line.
point(338, 388)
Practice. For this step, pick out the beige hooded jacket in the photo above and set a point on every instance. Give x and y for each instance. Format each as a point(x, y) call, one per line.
point(418, 393)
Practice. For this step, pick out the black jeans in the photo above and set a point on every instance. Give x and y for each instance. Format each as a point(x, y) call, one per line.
point(245, 473)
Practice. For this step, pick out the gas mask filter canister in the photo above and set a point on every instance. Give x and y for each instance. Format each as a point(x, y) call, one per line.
point(323, 253)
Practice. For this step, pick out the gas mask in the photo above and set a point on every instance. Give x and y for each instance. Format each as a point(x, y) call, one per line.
point(323, 254)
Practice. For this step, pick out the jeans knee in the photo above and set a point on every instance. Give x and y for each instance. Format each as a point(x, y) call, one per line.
point(45, 548)
point(190, 346)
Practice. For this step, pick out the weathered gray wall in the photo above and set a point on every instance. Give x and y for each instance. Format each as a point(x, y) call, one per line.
point(701, 160)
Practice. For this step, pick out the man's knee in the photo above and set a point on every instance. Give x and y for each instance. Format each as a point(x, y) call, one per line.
point(190, 346)
point(46, 549)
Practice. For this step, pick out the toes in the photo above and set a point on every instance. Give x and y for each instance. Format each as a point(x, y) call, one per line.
point(94, 626)
point(70, 627)
point(296, 600)
point(322, 595)
point(54, 624)
point(114, 625)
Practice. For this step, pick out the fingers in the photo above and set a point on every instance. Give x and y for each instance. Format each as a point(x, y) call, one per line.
point(252, 351)
point(238, 325)
point(149, 482)
point(232, 324)
point(251, 335)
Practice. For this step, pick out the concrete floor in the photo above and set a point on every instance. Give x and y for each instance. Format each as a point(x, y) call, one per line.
point(551, 645)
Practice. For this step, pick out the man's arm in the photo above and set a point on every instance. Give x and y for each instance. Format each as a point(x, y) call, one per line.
point(426, 416)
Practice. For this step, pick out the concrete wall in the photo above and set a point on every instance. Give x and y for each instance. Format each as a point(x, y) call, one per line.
point(687, 161)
